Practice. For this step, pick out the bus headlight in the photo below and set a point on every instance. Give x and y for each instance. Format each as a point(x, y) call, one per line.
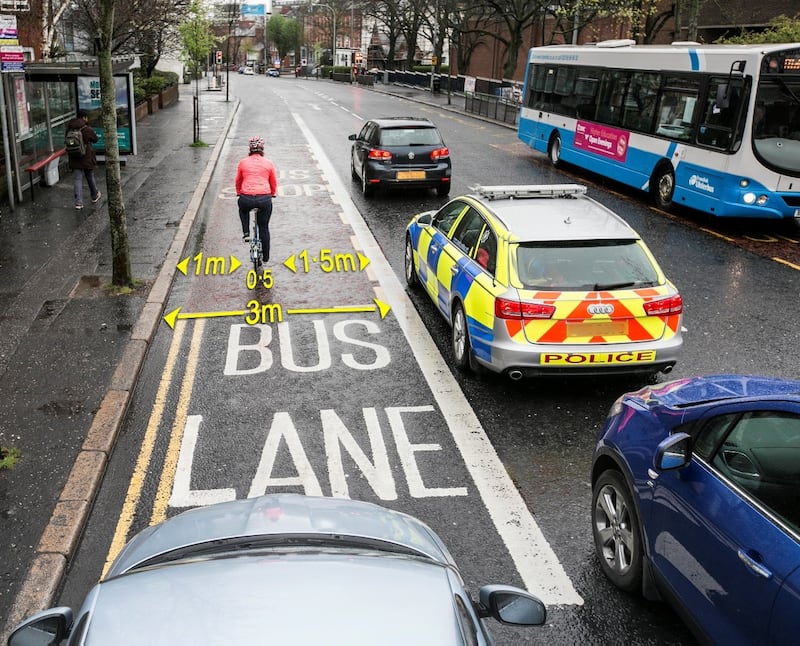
point(749, 198)
point(762, 200)
point(744, 183)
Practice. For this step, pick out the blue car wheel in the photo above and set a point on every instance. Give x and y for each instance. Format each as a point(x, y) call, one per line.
point(616, 530)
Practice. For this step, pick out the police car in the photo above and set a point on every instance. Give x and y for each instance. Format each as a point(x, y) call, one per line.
point(544, 280)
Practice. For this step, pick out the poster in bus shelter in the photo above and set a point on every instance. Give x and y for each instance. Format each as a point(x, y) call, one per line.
point(89, 100)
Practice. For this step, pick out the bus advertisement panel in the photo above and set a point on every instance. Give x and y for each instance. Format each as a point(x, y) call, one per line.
point(715, 128)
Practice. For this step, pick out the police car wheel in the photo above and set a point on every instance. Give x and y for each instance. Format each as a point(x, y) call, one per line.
point(353, 173)
point(460, 339)
point(412, 280)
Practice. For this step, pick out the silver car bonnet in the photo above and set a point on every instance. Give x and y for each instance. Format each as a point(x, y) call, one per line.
point(294, 599)
point(282, 514)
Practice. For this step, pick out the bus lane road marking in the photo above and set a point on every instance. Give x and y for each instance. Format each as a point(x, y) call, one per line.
point(533, 558)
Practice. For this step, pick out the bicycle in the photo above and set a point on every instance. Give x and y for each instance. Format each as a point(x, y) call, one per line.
point(255, 243)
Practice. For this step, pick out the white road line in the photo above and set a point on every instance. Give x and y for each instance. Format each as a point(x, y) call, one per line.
point(533, 557)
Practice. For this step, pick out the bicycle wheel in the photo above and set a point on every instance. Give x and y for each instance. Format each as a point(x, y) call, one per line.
point(255, 251)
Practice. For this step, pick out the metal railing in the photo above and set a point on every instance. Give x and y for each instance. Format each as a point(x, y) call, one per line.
point(492, 107)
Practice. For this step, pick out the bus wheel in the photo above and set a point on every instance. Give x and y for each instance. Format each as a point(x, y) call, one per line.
point(662, 186)
point(554, 151)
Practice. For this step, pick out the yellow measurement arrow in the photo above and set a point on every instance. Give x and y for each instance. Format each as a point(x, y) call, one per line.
point(291, 262)
point(379, 306)
point(175, 314)
point(183, 265)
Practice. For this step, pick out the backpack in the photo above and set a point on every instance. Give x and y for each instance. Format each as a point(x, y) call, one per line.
point(73, 142)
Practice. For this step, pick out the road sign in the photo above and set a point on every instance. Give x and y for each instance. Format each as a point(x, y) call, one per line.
point(12, 58)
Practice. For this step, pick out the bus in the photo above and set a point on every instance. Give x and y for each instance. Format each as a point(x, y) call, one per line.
point(712, 127)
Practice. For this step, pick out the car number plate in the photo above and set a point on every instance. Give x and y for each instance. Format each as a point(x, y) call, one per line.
point(597, 328)
point(411, 174)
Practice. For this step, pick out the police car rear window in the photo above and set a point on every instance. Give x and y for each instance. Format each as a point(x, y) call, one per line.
point(601, 265)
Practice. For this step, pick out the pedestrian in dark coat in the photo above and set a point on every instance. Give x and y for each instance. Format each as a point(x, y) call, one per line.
point(84, 166)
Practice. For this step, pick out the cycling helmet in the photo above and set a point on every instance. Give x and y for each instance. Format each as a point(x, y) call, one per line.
point(256, 145)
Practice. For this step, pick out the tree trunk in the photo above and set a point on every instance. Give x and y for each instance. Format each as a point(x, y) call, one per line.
point(120, 253)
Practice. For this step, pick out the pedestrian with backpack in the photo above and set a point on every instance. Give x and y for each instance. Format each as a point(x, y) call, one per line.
point(78, 141)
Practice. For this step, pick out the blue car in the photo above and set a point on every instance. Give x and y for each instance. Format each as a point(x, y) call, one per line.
point(696, 500)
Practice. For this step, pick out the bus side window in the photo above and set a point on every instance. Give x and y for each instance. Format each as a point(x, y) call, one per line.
point(640, 103)
point(678, 101)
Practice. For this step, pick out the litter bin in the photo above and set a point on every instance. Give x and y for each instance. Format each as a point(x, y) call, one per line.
point(436, 85)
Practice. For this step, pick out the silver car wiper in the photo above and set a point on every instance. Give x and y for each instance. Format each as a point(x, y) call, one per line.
point(274, 542)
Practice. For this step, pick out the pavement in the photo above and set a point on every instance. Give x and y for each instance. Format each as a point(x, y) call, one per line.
point(71, 352)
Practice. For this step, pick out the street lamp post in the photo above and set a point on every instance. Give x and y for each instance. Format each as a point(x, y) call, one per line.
point(333, 16)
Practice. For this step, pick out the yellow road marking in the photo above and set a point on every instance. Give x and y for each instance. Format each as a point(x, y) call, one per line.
point(145, 453)
point(718, 235)
point(787, 263)
point(164, 490)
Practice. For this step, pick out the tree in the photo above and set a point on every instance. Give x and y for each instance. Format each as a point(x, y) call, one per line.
point(512, 17)
point(148, 29)
point(145, 28)
point(781, 30)
point(120, 253)
point(387, 19)
point(198, 40)
point(52, 12)
point(285, 33)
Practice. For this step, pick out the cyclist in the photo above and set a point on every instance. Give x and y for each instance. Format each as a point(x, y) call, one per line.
point(256, 186)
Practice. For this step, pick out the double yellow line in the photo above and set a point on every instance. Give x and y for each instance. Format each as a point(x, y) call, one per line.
point(142, 467)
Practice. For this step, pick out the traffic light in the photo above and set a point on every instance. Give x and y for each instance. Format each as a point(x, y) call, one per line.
point(218, 56)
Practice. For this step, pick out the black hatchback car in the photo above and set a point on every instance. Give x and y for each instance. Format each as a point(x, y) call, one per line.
point(399, 152)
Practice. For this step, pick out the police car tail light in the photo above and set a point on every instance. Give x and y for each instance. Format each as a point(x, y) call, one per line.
point(440, 153)
point(381, 155)
point(663, 306)
point(510, 309)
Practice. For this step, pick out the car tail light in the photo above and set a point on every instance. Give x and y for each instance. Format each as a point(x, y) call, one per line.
point(663, 306)
point(381, 155)
point(440, 153)
point(509, 309)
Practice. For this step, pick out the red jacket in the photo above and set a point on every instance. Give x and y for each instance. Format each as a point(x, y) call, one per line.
point(255, 175)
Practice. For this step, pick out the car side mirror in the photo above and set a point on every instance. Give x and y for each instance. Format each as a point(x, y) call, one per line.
point(353, 137)
point(675, 452)
point(425, 219)
point(46, 627)
point(510, 605)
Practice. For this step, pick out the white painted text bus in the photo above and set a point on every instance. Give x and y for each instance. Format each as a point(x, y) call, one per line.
point(712, 127)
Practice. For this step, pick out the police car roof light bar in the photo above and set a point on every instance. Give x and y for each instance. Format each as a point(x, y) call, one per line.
point(528, 191)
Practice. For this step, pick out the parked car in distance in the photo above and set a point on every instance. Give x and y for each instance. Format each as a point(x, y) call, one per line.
point(286, 569)
point(273, 71)
point(400, 152)
point(248, 71)
point(696, 500)
point(543, 280)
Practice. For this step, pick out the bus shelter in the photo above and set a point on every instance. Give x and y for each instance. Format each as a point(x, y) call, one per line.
point(35, 106)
